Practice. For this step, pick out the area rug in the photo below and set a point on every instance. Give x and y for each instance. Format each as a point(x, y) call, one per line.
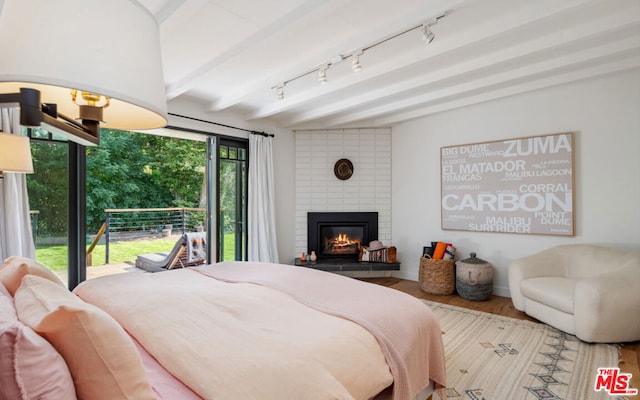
point(493, 357)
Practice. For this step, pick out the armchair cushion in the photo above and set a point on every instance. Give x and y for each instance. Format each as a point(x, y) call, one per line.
point(552, 291)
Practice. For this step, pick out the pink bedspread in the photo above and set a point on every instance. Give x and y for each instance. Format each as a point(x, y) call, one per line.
point(230, 341)
point(407, 330)
point(165, 385)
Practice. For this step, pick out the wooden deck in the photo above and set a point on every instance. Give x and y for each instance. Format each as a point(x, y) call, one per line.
point(111, 269)
point(96, 271)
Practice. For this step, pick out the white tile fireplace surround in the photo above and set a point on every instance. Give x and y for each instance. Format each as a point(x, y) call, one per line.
point(318, 189)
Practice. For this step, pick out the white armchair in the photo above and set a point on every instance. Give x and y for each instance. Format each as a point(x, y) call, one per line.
point(589, 291)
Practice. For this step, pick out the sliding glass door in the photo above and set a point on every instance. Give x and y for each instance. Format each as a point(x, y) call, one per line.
point(73, 187)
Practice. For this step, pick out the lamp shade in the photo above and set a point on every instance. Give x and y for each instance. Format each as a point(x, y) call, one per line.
point(15, 154)
point(110, 48)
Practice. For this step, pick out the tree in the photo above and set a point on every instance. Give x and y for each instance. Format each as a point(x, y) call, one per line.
point(127, 170)
point(115, 176)
point(47, 187)
point(228, 185)
point(178, 167)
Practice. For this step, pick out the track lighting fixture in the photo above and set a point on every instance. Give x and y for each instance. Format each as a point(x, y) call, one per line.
point(427, 34)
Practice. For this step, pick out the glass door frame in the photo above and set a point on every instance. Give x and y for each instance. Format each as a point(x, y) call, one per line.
point(76, 207)
point(242, 187)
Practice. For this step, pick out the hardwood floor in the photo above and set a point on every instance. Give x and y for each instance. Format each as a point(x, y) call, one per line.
point(629, 353)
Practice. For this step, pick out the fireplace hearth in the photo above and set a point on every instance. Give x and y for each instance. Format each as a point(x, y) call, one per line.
point(340, 235)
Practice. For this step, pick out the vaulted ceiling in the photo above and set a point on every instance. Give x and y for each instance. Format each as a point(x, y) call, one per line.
point(232, 55)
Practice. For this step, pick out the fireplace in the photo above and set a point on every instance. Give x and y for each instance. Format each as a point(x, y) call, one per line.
point(340, 235)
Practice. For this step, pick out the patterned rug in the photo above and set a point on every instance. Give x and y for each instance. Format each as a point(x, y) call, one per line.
point(499, 358)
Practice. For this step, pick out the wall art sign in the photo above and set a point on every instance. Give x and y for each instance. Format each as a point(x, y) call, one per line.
point(522, 185)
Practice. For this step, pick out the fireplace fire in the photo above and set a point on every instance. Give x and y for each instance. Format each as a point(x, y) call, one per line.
point(341, 244)
point(340, 234)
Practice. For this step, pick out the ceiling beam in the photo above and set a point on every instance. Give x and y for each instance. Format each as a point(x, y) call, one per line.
point(189, 80)
point(610, 68)
point(169, 8)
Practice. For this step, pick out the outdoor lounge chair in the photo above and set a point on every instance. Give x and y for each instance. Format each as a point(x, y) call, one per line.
point(190, 250)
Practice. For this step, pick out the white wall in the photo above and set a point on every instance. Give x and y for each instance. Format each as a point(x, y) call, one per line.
point(317, 188)
point(604, 113)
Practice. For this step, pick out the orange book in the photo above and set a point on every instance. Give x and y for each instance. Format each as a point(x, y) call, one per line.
point(438, 253)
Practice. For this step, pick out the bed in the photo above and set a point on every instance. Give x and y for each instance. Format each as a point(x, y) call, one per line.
point(232, 330)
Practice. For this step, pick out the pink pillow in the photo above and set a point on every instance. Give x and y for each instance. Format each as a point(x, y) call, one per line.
point(30, 368)
point(102, 358)
point(14, 268)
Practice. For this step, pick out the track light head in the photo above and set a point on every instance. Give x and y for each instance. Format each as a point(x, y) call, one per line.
point(427, 34)
point(280, 91)
point(355, 62)
point(322, 74)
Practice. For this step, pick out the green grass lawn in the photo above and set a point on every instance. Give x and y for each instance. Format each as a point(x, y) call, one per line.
point(55, 257)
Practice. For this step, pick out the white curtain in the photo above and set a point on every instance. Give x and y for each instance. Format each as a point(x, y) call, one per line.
point(15, 221)
point(262, 244)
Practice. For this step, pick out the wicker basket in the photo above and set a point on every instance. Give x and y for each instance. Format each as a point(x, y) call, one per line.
point(437, 276)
